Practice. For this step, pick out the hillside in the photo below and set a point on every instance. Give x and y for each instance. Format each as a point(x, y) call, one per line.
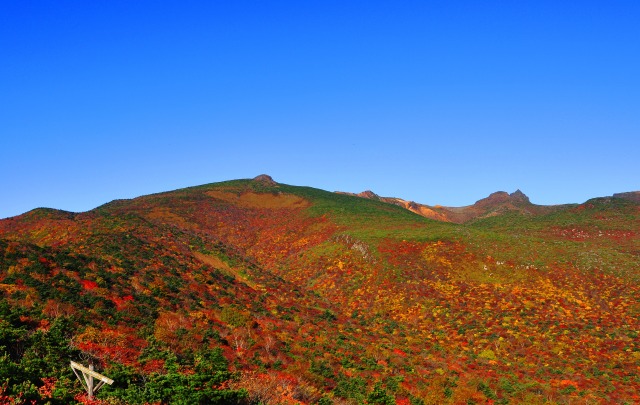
point(251, 290)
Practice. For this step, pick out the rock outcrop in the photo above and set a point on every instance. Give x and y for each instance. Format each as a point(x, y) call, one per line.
point(265, 179)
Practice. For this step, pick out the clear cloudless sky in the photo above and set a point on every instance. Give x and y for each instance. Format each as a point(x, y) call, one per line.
point(440, 102)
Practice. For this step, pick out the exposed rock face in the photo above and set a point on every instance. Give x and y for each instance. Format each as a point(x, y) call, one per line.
point(369, 194)
point(501, 198)
point(265, 179)
point(631, 196)
point(519, 196)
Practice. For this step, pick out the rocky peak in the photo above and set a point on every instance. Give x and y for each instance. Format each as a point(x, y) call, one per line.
point(369, 194)
point(502, 197)
point(265, 179)
point(519, 196)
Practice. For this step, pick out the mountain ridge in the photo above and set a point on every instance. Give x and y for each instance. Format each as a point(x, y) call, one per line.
point(304, 295)
point(498, 200)
point(496, 203)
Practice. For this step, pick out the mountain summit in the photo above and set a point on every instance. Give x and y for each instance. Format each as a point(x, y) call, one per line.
point(502, 197)
point(265, 179)
point(519, 196)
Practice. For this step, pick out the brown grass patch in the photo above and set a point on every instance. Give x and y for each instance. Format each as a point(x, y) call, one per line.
point(212, 261)
point(165, 215)
point(217, 263)
point(259, 200)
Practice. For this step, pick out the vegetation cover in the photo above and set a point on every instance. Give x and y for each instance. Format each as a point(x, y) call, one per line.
point(250, 291)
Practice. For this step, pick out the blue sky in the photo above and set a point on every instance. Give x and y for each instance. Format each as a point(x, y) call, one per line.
point(438, 102)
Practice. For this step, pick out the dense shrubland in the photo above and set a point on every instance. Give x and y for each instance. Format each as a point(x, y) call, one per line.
point(255, 293)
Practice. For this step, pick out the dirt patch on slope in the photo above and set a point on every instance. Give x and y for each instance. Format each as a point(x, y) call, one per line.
point(217, 263)
point(212, 261)
point(250, 199)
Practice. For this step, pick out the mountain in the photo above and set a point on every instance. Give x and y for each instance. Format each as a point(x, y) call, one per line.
point(495, 204)
point(254, 291)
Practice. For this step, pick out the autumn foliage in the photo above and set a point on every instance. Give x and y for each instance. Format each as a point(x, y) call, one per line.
point(251, 292)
